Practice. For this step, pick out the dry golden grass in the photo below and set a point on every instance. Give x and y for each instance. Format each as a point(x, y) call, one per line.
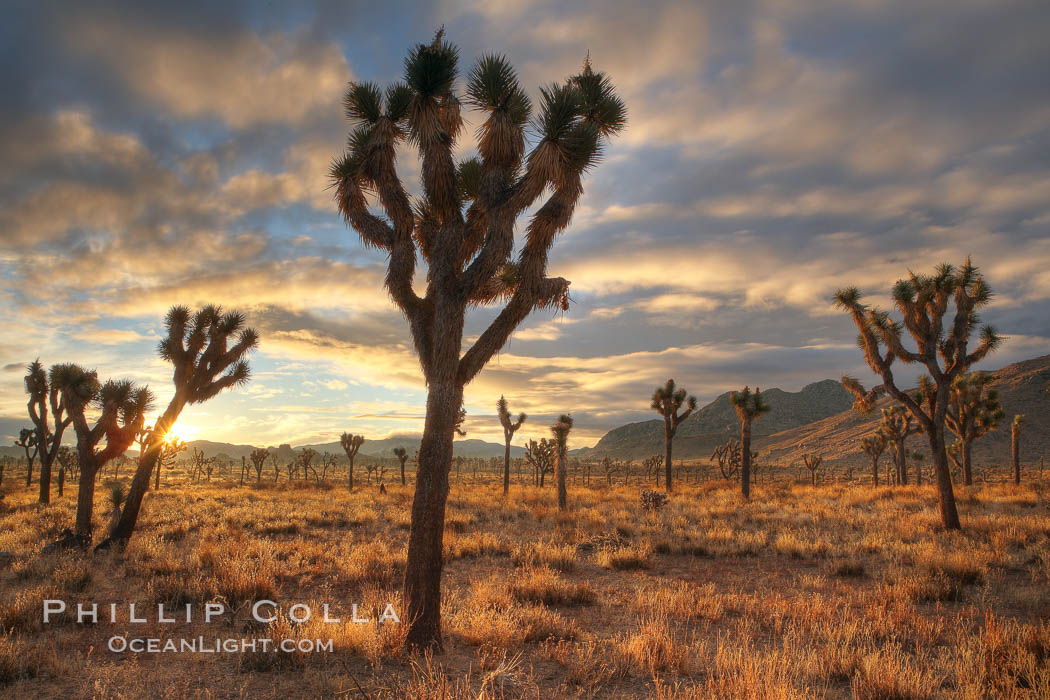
point(827, 592)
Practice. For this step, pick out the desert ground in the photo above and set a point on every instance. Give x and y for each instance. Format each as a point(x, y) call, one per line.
point(828, 591)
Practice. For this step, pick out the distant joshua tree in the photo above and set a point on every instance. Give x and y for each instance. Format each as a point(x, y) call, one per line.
point(122, 410)
point(351, 445)
point(169, 454)
point(327, 462)
point(402, 456)
point(942, 346)
point(67, 466)
point(205, 363)
point(812, 463)
point(728, 458)
point(896, 426)
point(1015, 445)
point(44, 395)
point(510, 426)
point(874, 446)
point(749, 406)
point(28, 442)
point(560, 430)
point(463, 228)
point(258, 459)
point(667, 400)
point(305, 462)
point(973, 411)
point(541, 456)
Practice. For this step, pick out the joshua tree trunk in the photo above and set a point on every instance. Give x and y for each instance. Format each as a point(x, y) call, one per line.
point(506, 467)
point(29, 472)
point(745, 459)
point(425, 542)
point(967, 473)
point(560, 479)
point(875, 470)
point(148, 461)
point(403, 481)
point(45, 480)
point(1015, 453)
point(943, 477)
point(668, 439)
point(85, 495)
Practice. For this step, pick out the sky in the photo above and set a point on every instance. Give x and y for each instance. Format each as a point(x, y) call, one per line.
point(158, 153)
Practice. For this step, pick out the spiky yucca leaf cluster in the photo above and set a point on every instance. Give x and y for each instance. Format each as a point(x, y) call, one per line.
point(749, 405)
point(510, 426)
point(198, 345)
point(463, 224)
point(561, 429)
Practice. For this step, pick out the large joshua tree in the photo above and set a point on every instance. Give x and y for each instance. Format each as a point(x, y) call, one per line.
point(462, 226)
point(208, 350)
point(749, 406)
point(44, 395)
point(667, 400)
point(351, 446)
point(510, 426)
point(122, 411)
point(973, 411)
point(560, 430)
point(942, 342)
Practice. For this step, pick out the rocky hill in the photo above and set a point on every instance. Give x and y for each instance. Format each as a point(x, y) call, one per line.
point(1022, 389)
point(717, 422)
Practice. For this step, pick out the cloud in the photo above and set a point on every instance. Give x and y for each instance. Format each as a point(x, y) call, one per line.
point(243, 79)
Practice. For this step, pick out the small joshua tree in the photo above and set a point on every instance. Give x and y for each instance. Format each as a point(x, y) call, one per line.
point(305, 460)
point(207, 351)
point(327, 462)
point(402, 456)
point(169, 454)
point(874, 445)
point(667, 401)
point(652, 467)
point(28, 442)
point(351, 445)
point(199, 462)
point(67, 465)
point(258, 458)
point(116, 500)
point(942, 346)
point(1015, 445)
point(462, 227)
point(973, 411)
point(812, 463)
point(44, 395)
point(653, 501)
point(510, 426)
point(728, 458)
point(541, 456)
point(560, 431)
point(122, 410)
point(897, 426)
point(749, 406)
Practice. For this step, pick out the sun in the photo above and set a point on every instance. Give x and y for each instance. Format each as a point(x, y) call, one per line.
point(184, 433)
